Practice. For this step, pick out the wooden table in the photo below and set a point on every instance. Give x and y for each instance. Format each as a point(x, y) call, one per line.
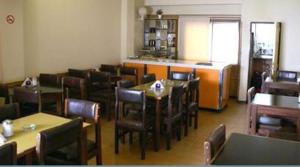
point(274, 105)
point(47, 93)
point(26, 140)
point(283, 85)
point(242, 149)
point(158, 96)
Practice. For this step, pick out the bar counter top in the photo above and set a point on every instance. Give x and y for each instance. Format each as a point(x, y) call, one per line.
point(179, 63)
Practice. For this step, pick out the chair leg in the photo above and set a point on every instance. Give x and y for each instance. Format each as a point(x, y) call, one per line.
point(190, 120)
point(130, 137)
point(168, 137)
point(179, 127)
point(196, 120)
point(186, 126)
point(108, 110)
point(116, 140)
point(143, 145)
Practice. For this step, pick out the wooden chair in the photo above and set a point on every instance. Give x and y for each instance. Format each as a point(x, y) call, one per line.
point(125, 84)
point(192, 105)
point(8, 154)
point(180, 76)
point(29, 101)
point(9, 111)
point(132, 122)
point(214, 143)
point(50, 100)
point(74, 87)
point(89, 111)
point(100, 90)
point(4, 93)
point(112, 69)
point(50, 142)
point(172, 117)
point(50, 80)
point(129, 73)
point(148, 78)
point(84, 74)
point(287, 76)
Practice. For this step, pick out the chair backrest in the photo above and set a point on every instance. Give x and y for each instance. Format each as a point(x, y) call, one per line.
point(193, 91)
point(99, 80)
point(287, 76)
point(175, 100)
point(129, 72)
point(84, 74)
point(51, 140)
point(51, 80)
point(85, 109)
point(74, 87)
point(251, 94)
point(88, 111)
point(148, 78)
point(214, 143)
point(4, 93)
point(24, 95)
point(128, 96)
point(9, 111)
point(8, 154)
point(125, 84)
point(180, 76)
point(264, 76)
point(112, 69)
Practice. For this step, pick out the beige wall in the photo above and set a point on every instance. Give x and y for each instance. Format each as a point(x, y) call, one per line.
point(288, 13)
point(62, 34)
point(11, 41)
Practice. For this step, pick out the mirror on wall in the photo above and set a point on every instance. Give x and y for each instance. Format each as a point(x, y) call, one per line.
point(264, 51)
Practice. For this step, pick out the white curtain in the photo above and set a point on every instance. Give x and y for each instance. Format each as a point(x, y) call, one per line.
point(225, 41)
point(193, 38)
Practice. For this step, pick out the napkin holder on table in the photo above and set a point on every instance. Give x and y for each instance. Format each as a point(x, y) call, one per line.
point(154, 85)
point(2, 139)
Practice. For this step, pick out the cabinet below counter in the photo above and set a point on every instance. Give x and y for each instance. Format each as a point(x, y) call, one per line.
point(214, 78)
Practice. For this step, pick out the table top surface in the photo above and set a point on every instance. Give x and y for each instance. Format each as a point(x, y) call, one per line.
point(159, 93)
point(42, 89)
point(26, 140)
point(276, 101)
point(243, 149)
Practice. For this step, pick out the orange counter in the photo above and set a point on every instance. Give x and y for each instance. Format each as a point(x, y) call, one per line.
point(214, 80)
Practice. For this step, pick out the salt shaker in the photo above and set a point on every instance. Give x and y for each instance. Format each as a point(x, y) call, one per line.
point(7, 128)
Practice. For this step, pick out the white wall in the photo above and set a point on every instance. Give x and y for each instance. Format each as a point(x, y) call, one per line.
point(61, 34)
point(11, 41)
point(288, 13)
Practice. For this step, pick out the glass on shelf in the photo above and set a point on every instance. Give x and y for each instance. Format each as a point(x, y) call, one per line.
point(152, 23)
point(163, 35)
point(171, 26)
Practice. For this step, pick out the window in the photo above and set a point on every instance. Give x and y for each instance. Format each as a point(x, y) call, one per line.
point(225, 41)
point(205, 39)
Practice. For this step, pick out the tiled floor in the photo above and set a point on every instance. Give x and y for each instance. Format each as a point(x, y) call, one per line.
point(188, 151)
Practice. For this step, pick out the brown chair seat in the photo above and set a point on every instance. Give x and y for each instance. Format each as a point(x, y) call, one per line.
point(68, 153)
point(133, 121)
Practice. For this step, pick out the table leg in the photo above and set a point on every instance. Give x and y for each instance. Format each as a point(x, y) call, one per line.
point(253, 117)
point(84, 158)
point(28, 159)
point(59, 105)
point(157, 126)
